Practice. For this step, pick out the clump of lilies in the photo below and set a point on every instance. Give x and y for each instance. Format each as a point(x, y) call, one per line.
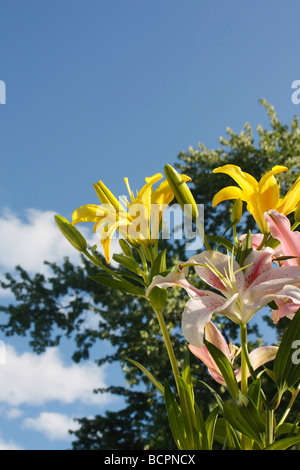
point(239, 278)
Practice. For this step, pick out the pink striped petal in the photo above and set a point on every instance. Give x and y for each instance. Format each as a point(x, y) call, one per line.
point(198, 312)
point(260, 262)
point(280, 228)
point(258, 357)
point(217, 262)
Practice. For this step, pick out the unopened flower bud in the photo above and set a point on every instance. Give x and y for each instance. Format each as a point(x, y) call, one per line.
point(71, 233)
point(181, 190)
point(297, 214)
point(237, 211)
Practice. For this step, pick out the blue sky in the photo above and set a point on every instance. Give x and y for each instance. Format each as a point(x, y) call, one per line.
point(107, 89)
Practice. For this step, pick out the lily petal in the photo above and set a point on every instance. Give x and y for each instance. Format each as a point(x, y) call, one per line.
point(280, 228)
point(291, 200)
point(177, 278)
point(198, 312)
point(86, 213)
point(269, 189)
point(247, 182)
point(259, 262)
point(217, 263)
point(258, 357)
point(107, 233)
point(230, 192)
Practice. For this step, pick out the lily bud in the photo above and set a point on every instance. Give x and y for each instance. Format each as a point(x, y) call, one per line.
point(181, 191)
point(71, 233)
point(237, 211)
point(297, 215)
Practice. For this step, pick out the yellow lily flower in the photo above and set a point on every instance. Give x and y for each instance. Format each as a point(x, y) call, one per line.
point(260, 196)
point(130, 219)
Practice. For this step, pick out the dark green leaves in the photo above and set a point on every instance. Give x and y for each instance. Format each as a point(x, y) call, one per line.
point(287, 361)
point(119, 284)
point(244, 417)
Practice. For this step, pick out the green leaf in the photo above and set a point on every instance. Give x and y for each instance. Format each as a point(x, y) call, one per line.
point(117, 284)
point(284, 443)
point(225, 369)
point(287, 428)
point(286, 366)
point(188, 413)
point(254, 391)
point(226, 435)
point(159, 265)
point(202, 429)
point(175, 419)
point(128, 263)
point(152, 379)
point(217, 397)
point(222, 241)
point(210, 425)
point(244, 417)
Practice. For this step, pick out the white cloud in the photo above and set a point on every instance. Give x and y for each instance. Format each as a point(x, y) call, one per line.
point(9, 445)
point(54, 426)
point(37, 379)
point(10, 413)
point(29, 242)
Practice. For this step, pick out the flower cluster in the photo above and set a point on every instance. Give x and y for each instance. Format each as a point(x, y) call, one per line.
point(255, 271)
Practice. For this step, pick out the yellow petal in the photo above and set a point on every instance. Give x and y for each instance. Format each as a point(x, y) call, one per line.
point(145, 194)
point(163, 194)
point(106, 196)
point(247, 183)
point(291, 200)
point(106, 235)
point(87, 213)
point(268, 189)
point(230, 192)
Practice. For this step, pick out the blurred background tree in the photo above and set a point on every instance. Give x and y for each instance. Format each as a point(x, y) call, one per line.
point(47, 309)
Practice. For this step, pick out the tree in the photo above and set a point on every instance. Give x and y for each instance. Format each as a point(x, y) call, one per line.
point(127, 324)
point(279, 145)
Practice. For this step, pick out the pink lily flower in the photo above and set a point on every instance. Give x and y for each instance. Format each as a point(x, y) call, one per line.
point(243, 291)
point(258, 356)
point(280, 228)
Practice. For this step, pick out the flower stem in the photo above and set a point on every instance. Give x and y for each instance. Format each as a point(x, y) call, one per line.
point(245, 441)
point(168, 344)
point(244, 353)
